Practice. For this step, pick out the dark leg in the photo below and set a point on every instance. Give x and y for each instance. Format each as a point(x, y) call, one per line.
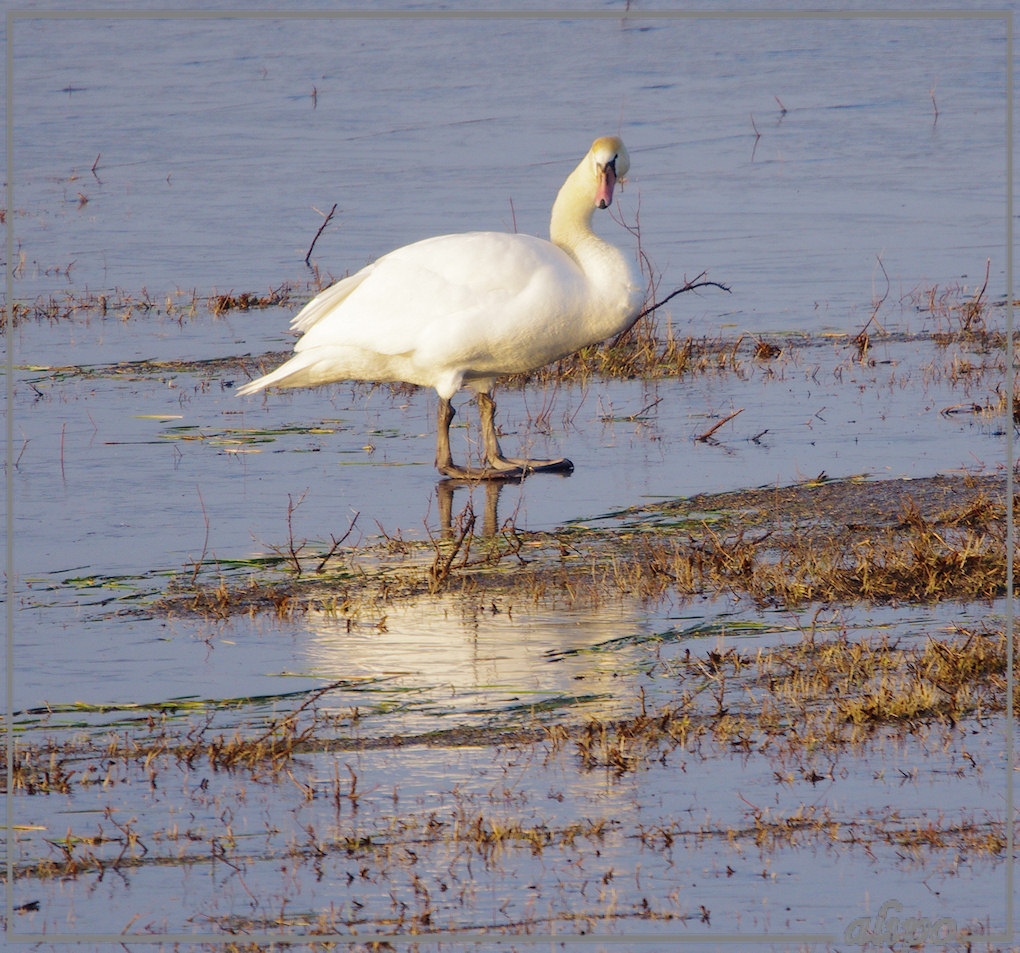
point(444, 457)
point(494, 454)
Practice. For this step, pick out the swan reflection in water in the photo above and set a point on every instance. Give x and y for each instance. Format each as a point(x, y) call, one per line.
point(479, 659)
point(445, 490)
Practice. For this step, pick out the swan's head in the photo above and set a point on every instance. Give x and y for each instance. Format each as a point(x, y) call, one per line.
point(610, 161)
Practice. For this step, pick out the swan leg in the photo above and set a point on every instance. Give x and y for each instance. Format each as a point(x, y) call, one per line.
point(494, 454)
point(444, 458)
point(505, 470)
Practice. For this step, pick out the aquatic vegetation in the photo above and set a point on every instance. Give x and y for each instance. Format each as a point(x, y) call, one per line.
point(355, 818)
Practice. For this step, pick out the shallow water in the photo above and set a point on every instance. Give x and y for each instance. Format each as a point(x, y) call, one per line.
point(220, 142)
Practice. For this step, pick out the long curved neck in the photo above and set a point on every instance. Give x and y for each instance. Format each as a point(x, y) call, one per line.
point(615, 293)
point(570, 224)
point(603, 263)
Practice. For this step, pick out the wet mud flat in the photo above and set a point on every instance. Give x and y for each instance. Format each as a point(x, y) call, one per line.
point(841, 717)
point(851, 539)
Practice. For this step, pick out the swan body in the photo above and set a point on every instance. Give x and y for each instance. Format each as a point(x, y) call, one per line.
point(462, 310)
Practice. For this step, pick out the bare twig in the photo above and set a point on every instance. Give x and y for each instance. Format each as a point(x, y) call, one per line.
point(337, 543)
point(292, 549)
point(644, 261)
point(441, 567)
point(637, 415)
point(653, 279)
point(711, 430)
point(322, 228)
point(645, 409)
point(757, 138)
point(885, 275)
point(863, 339)
point(205, 543)
point(973, 311)
point(691, 285)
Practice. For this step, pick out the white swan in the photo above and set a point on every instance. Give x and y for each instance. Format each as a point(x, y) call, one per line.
point(462, 310)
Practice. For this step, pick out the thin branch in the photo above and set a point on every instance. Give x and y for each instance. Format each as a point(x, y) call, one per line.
point(644, 261)
point(637, 415)
point(337, 543)
point(688, 286)
point(294, 550)
point(644, 410)
point(442, 566)
point(205, 542)
point(691, 285)
point(984, 287)
point(711, 430)
point(322, 228)
point(863, 340)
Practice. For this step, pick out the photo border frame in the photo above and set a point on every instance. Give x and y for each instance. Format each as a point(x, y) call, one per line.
point(472, 937)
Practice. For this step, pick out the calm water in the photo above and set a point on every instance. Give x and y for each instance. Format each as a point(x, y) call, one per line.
point(800, 162)
point(214, 158)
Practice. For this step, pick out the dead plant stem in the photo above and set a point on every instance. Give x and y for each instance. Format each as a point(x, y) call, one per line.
point(711, 430)
point(322, 228)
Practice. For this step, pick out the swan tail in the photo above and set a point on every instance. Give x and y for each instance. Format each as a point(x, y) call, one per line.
point(299, 371)
point(325, 301)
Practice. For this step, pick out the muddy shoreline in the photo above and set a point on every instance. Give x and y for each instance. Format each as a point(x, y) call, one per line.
point(846, 541)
